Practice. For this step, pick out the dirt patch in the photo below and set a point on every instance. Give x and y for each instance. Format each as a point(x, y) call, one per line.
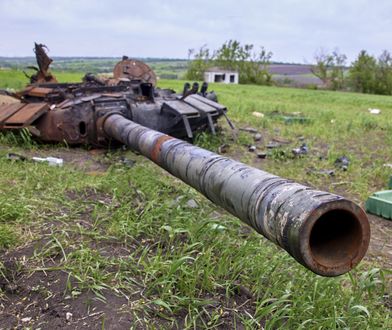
point(43, 300)
point(46, 297)
point(380, 248)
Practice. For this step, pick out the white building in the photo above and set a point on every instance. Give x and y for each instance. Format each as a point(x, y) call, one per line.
point(218, 75)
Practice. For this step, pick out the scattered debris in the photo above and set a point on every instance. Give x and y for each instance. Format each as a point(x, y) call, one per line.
point(281, 140)
point(68, 316)
point(289, 118)
point(26, 319)
point(273, 144)
point(252, 148)
point(192, 204)
point(127, 162)
point(261, 155)
point(217, 227)
point(52, 161)
point(302, 150)
point(248, 129)
point(342, 163)
point(222, 149)
point(258, 114)
point(295, 120)
point(374, 111)
point(321, 172)
point(12, 156)
point(257, 137)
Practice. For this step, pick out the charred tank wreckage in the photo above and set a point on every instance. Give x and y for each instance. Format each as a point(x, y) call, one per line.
point(326, 233)
point(70, 112)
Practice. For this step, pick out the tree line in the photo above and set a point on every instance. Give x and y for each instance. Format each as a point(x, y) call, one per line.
point(367, 74)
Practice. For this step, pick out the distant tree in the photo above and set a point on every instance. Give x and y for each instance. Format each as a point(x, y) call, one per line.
point(363, 73)
point(201, 61)
point(252, 66)
point(231, 53)
point(329, 68)
point(384, 74)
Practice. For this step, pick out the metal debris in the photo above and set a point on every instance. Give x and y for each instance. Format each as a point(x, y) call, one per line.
point(273, 144)
point(12, 156)
point(257, 137)
point(192, 204)
point(70, 112)
point(52, 161)
point(257, 114)
point(300, 151)
point(248, 129)
point(222, 149)
point(342, 162)
point(321, 172)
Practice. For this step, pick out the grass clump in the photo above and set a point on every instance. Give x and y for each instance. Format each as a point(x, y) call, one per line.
point(8, 236)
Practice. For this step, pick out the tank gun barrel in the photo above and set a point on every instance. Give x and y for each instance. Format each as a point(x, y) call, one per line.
point(326, 233)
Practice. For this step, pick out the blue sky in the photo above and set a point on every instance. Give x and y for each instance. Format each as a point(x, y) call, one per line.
point(293, 30)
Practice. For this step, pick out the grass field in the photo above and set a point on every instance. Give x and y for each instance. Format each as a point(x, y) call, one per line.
point(115, 244)
point(16, 79)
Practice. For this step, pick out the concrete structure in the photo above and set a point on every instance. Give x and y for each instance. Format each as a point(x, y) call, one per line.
point(219, 75)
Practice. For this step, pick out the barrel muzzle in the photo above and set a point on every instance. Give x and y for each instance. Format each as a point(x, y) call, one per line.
point(333, 239)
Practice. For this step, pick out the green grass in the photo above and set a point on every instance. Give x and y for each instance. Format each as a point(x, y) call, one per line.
point(130, 229)
point(15, 79)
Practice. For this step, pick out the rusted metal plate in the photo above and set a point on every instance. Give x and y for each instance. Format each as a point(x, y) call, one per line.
point(39, 91)
point(182, 108)
point(133, 69)
point(26, 115)
point(209, 102)
point(7, 110)
point(201, 106)
point(116, 95)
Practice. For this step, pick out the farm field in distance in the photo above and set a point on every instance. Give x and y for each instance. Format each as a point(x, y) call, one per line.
point(295, 75)
point(114, 240)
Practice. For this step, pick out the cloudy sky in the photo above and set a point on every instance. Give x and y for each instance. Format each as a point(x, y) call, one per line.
point(292, 29)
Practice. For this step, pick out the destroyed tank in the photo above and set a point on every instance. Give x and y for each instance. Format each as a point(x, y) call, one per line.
point(326, 233)
point(57, 112)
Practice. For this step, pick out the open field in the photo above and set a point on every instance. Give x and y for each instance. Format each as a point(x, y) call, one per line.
point(116, 242)
point(296, 75)
point(164, 68)
point(15, 79)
